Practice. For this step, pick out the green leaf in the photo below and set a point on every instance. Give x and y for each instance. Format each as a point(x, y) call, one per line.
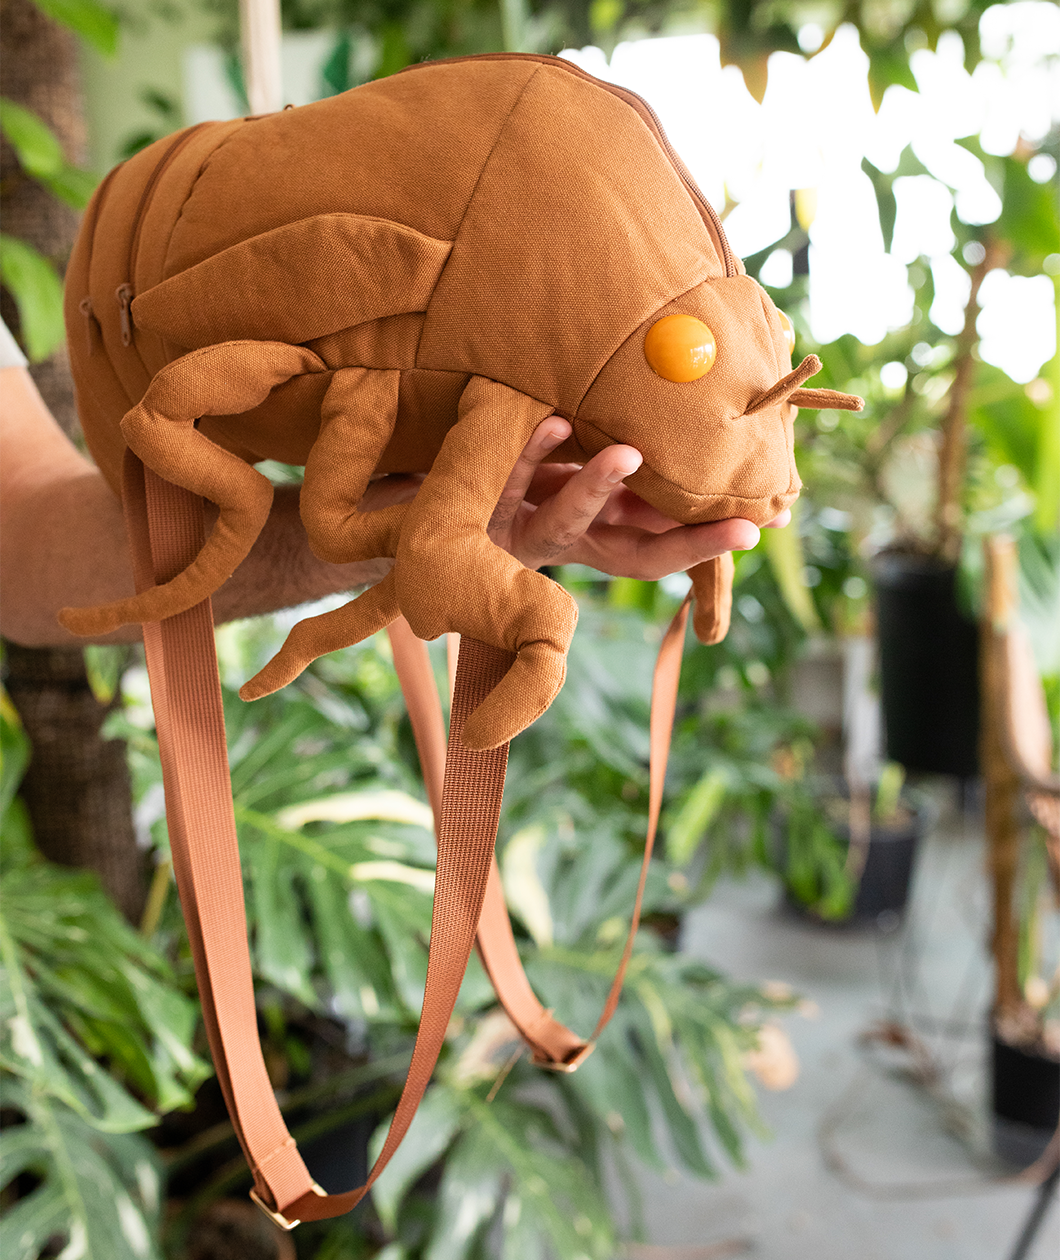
point(1030, 218)
point(552, 1199)
point(73, 185)
point(104, 663)
point(403, 917)
point(100, 1191)
point(435, 1125)
point(282, 953)
point(356, 968)
point(38, 293)
point(888, 66)
point(1047, 484)
point(699, 810)
point(78, 983)
point(95, 24)
point(468, 1198)
point(680, 1120)
point(1000, 409)
point(613, 1088)
point(14, 752)
point(36, 146)
point(788, 561)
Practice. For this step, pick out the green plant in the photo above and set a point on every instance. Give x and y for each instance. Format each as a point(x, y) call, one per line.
point(31, 278)
point(338, 852)
point(96, 1040)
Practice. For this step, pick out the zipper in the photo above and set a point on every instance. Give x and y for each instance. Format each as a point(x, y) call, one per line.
point(125, 292)
point(641, 106)
point(93, 332)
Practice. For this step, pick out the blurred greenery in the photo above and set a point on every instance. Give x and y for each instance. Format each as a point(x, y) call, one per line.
point(98, 1035)
point(96, 1042)
point(32, 279)
point(338, 856)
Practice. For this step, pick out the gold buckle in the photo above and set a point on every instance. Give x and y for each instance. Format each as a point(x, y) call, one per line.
point(567, 1065)
point(278, 1218)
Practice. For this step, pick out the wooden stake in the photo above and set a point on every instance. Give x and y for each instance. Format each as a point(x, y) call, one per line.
point(1001, 781)
point(260, 28)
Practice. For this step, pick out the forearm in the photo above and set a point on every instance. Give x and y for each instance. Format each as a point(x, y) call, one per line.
point(63, 541)
point(67, 546)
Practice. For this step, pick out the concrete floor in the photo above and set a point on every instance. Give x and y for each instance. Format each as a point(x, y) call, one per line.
point(863, 1164)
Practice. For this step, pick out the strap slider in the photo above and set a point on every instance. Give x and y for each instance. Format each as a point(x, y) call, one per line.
point(278, 1218)
point(570, 1064)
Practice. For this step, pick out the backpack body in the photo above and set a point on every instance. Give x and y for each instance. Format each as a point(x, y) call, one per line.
point(408, 278)
point(490, 238)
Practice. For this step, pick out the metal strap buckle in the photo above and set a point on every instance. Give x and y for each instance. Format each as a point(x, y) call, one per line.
point(278, 1218)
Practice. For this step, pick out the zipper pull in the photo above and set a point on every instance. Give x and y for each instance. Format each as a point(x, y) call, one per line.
point(93, 333)
point(125, 296)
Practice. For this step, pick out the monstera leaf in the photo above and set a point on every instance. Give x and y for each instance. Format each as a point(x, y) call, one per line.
point(78, 985)
point(98, 1191)
point(507, 1158)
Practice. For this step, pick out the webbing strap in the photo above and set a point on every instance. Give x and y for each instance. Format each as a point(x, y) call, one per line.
point(554, 1045)
point(165, 525)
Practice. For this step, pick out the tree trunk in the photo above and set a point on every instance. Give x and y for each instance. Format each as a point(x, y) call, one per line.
point(38, 69)
point(77, 786)
point(953, 450)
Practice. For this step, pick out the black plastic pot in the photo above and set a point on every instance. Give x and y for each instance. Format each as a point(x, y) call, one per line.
point(1026, 1101)
point(883, 890)
point(884, 886)
point(929, 666)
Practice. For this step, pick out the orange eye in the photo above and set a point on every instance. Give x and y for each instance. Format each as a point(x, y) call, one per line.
point(789, 331)
point(680, 348)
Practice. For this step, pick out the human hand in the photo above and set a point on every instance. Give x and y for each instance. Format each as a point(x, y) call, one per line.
point(569, 514)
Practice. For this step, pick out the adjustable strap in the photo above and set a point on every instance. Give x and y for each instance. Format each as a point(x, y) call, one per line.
point(165, 525)
point(554, 1045)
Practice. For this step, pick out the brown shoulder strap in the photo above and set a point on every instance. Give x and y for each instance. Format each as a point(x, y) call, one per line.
point(165, 526)
point(554, 1045)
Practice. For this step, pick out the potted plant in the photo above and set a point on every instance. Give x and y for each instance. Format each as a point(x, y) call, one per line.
point(947, 445)
point(847, 857)
point(1025, 875)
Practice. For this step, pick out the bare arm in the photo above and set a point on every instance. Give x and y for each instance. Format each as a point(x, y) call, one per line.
point(63, 540)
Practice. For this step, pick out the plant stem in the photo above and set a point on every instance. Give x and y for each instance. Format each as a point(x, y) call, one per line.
point(953, 452)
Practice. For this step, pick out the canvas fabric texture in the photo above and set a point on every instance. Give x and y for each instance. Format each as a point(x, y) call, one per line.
point(408, 277)
point(499, 228)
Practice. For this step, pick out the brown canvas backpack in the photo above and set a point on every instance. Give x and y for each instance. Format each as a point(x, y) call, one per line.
point(409, 278)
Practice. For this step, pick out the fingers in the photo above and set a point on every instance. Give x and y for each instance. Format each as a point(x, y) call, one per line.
point(546, 437)
point(567, 515)
point(778, 522)
point(627, 552)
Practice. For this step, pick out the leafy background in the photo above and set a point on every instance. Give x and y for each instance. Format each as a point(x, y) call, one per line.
point(99, 1035)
